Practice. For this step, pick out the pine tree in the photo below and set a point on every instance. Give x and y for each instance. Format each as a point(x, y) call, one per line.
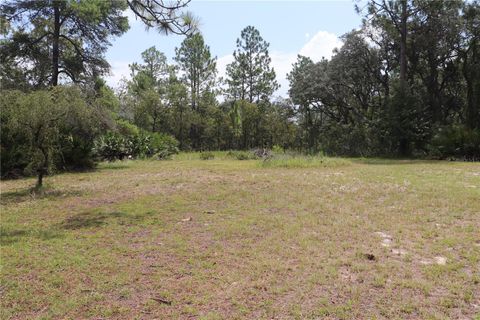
point(250, 76)
point(195, 60)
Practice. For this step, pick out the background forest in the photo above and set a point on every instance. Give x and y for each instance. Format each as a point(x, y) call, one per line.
point(405, 83)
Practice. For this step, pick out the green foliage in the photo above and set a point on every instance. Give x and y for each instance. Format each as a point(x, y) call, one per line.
point(412, 67)
point(250, 76)
point(163, 145)
point(111, 146)
point(14, 144)
point(207, 155)
point(278, 149)
point(39, 29)
point(456, 142)
point(195, 60)
point(116, 146)
point(46, 130)
point(126, 128)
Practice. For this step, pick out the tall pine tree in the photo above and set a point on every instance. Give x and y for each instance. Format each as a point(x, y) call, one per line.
point(199, 68)
point(250, 76)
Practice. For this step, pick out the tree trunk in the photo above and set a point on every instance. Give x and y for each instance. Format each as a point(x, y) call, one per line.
point(403, 141)
point(39, 180)
point(470, 75)
point(403, 45)
point(154, 122)
point(470, 114)
point(56, 40)
point(42, 170)
point(193, 87)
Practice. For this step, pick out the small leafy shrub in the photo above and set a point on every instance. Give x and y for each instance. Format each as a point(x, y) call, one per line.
point(139, 146)
point(111, 146)
point(163, 145)
point(207, 155)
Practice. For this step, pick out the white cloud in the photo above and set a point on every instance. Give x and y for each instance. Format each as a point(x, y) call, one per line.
point(282, 64)
point(320, 45)
point(222, 64)
point(119, 69)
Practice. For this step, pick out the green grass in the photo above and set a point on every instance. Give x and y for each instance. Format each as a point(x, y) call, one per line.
point(299, 161)
point(299, 238)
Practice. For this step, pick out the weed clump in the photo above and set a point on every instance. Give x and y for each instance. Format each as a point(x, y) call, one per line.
point(242, 155)
point(207, 156)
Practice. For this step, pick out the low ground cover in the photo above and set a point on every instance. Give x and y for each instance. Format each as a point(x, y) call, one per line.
point(230, 239)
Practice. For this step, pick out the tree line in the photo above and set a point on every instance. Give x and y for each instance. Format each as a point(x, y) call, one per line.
point(405, 83)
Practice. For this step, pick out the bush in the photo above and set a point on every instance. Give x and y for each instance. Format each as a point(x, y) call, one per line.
point(457, 142)
point(163, 145)
point(111, 146)
point(114, 146)
point(76, 153)
point(126, 128)
point(58, 123)
point(207, 156)
point(14, 145)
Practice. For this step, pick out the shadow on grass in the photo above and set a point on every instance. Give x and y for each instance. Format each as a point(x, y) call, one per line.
point(89, 220)
point(112, 166)
point(84, 220)
point(32, 194)
point(98, 219)
point(393, 161)
point(11, 236)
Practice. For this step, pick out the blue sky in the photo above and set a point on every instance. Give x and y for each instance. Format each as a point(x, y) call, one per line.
point(310, 28)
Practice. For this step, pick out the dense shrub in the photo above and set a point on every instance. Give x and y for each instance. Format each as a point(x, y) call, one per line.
point(46, 130)
point(14, 147)
point(457, 142)
point(126, 128)
point(115, 146)
point(163, 145)
point(111, 146)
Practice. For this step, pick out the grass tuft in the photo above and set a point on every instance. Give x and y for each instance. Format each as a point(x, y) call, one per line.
point(301, 161)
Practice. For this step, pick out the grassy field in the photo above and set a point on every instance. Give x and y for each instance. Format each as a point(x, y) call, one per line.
point(229, 239)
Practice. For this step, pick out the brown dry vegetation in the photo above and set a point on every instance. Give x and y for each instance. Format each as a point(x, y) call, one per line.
point(227, 239)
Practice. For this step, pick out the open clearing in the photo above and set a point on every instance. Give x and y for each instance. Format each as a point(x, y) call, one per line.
point(229, 239)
